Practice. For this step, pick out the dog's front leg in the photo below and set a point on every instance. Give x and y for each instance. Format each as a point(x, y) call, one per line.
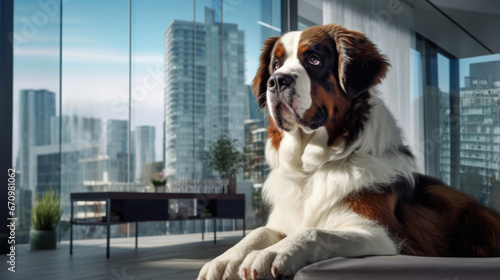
point(226, 265)
point(311, 245)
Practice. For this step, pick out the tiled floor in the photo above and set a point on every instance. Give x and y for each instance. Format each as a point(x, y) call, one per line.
point(174, 257)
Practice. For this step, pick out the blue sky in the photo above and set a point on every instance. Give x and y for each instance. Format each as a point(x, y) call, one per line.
point(95, 52)
point(95, 41)
point(466, 62)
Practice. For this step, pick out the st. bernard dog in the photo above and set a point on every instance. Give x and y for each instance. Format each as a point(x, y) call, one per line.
point(343, 183)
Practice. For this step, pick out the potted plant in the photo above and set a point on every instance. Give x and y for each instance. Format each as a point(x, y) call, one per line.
point(159, 182)
point(225, 158)
point(44, 218)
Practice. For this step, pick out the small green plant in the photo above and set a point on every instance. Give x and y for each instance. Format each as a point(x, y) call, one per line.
point(224, 157)
point(158, 182)
point(47, 211)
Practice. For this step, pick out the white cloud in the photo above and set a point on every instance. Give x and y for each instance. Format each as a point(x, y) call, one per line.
point(88, 55)
point(36, 52)
point(147, 58)
point(98, 56)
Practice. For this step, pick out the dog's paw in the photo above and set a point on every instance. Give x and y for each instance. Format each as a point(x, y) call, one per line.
point(266, 264)
point(221, 269)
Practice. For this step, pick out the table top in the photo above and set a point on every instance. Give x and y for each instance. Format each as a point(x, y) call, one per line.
point(141, 195)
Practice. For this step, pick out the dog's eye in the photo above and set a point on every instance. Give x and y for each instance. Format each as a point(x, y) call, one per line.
point(314, 60)
point(276, 65)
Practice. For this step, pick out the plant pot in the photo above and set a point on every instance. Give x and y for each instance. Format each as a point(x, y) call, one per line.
point(43, 239)
point(231, 188)
point(160, 189)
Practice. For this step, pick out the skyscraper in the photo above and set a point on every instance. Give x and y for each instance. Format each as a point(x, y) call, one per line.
point(117, 151)
point(36, 110)
point(480, 130)
point(144, 149)
point(205, 94)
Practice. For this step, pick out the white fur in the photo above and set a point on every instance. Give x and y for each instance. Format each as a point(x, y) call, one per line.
point(309, 180)
point(292, 66)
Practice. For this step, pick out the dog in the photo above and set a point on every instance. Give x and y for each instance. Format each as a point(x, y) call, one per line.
point(342, 181)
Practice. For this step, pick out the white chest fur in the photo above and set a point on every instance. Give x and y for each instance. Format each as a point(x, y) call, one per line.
point(309, 179)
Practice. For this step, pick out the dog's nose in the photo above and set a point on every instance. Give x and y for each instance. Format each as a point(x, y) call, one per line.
point(279, 82)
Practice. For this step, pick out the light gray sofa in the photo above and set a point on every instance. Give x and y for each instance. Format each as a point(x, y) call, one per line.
point(402, 267)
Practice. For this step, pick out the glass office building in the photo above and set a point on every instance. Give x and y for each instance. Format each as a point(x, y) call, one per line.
point(200, 106)
point(480, 132)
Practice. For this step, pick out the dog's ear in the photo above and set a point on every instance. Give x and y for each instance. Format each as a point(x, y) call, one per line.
point(259, 83)
point(360, 65)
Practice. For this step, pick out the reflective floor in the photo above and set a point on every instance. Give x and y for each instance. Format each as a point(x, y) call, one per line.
point(175, 257)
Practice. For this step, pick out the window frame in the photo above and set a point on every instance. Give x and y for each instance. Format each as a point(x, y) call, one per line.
point(429, 52)
point(6, 106)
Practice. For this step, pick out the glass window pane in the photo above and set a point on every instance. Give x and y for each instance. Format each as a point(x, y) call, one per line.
point(480, 128)
point(443, 72)
point(415, 136)
point(256, 21)
point(151, 21)
point(36, 105)
point(95, 100)
point(188, 85)
point(154, 78)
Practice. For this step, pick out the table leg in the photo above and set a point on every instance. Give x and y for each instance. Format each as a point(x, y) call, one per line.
point(136, 233)
point(203, 230)
point(108, 226)
point(215, 231)
point(71, 230)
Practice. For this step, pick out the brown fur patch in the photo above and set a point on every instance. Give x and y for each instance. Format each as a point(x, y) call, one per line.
point(439, 221)
point(279, 51)
point(275, 134)
point(259, 83)
point(361, 65)
point(346, 115)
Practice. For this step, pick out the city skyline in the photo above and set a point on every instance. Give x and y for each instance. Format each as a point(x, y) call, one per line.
point(89, 51)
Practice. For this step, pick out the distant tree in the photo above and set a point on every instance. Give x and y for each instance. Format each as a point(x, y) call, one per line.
point(225, 158)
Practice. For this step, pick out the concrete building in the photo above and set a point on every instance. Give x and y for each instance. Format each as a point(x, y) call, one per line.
point(480, 131)
point(36, 110)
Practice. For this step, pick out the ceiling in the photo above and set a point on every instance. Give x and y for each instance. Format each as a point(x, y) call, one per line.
point(464, 28)
point(479, 19)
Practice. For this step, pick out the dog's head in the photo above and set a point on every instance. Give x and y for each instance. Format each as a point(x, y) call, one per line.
point(319, 77)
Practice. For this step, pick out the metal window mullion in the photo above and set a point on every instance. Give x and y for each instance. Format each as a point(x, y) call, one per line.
point(194, 91)
point(129, 87)
point(222, 68)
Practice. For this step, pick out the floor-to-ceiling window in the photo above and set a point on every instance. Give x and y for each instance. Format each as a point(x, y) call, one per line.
point(480, 128)
point(110, 94)
point(447, 105)
point(36, 107)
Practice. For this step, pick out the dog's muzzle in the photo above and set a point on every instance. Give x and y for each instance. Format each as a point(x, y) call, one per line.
point(279, 82)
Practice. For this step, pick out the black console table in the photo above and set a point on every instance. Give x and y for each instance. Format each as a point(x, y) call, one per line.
point(130, 207)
